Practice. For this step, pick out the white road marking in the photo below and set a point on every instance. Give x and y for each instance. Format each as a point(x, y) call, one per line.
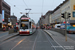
point(55, 40)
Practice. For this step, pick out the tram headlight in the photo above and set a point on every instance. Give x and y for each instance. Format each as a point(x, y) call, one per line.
point(27, 30)
point(20, 31)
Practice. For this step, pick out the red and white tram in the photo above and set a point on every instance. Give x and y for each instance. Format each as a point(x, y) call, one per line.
point(27, 26)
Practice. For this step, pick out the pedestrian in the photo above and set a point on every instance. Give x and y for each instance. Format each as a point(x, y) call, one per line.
point(15, 28)
point(4, 29)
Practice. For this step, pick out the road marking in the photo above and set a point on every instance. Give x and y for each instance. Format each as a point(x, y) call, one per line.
point(50, 41)
point(8, 41)
point(55, 40)
point(48, 32)
point(18, 43)
point(58, 43)
point(33, 48)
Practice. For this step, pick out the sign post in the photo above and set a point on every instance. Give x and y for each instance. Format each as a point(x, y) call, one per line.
point(65, 16)
point(65, 26)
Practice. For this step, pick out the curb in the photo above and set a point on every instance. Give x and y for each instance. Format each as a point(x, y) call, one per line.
point(48, 34)
point(54, 39)
point(3, 32)
point(9, 37)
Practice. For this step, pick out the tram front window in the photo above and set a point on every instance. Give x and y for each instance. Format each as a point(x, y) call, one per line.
point(24, 26)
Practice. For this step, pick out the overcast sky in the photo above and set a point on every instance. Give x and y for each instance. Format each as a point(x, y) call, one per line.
point(37, 6)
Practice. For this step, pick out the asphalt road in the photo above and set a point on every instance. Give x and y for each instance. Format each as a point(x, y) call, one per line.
point(2, 34)
point(37, 41)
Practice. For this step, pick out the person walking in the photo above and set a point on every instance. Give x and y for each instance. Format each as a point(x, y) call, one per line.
point(15, 29)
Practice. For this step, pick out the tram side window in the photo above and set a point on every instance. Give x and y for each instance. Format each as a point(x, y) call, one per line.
point(30, 24)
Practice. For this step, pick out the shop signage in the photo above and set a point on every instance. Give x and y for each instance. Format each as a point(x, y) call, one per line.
point(2, 15)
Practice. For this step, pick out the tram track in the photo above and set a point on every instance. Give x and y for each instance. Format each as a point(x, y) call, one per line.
point(38, 41)
point(50, 41)
point(24, 40)
point(33, 48)
point(18, 43)
point(34, 45)
point(55, 47)
point(5, 41)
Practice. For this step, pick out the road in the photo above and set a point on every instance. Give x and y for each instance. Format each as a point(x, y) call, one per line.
point(37, 41)
point(2, 34)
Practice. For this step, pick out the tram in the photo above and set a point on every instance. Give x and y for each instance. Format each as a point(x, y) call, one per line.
point(27, 26)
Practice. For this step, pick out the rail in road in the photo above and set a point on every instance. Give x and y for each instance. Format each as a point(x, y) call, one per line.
point(37, 41)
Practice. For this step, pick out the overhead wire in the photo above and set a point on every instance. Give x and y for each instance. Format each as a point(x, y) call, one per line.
point(25, 3)
point(42, 7)
point(14, 5)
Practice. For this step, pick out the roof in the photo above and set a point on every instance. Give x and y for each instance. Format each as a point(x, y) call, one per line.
point(50, 12)
point(23, 16)
point(5, 3)
point(13, 16)
point(60, 5)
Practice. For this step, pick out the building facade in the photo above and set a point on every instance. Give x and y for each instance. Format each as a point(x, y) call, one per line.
point(45, 19)
point(5, 12)
point(54, 17)
point(66, 6)
point(13, 20)
point(0, 13)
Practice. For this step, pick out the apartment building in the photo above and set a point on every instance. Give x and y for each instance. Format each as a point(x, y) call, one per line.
point(4, 13)
point(67, 6)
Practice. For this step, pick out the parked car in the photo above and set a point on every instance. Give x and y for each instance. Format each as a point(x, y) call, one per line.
point(58, 26)
point(63, 25)
point(71, 29)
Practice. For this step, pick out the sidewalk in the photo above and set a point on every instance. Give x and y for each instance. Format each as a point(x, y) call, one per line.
point(8, 36)
point(3, 34)
point(60, 39)
point(3, 31)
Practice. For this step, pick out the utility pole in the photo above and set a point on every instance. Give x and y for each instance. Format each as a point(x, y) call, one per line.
point(65, 16)
point(65, 26)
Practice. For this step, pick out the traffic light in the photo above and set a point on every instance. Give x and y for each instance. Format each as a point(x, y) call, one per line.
point(62, 15)
point(69, 15)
